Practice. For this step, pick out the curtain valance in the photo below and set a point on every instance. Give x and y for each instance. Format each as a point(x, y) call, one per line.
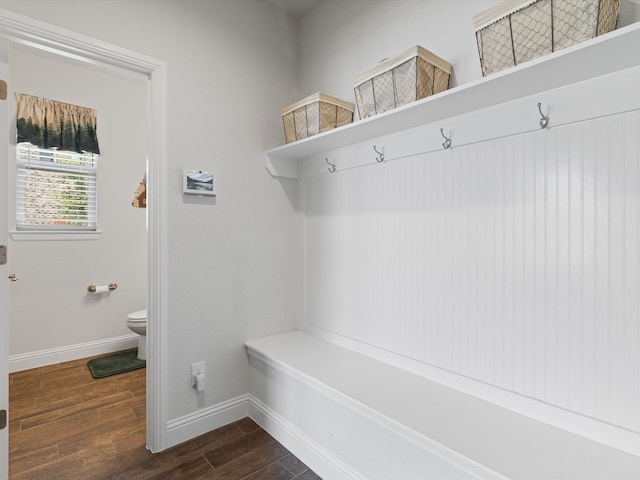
point(49, 124)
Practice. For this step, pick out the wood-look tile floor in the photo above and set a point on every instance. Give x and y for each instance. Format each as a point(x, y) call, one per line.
point(64, 424)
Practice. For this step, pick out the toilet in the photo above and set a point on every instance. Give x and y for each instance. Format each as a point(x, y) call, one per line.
point(137, 323)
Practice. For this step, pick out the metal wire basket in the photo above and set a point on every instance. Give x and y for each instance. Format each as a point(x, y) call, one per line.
point(315, 114)
point(407, 77)
point(514, 32)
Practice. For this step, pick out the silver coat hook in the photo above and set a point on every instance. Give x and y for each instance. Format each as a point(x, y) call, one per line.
point(332, 167)
point(447, 141)
point(380, 157)
point(544, 120)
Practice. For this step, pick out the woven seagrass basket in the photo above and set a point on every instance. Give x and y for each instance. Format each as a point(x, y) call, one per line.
point(315, 114)
point(414, 74)
point(516, 31)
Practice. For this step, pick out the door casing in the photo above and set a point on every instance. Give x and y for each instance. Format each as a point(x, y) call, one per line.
point(36, 34)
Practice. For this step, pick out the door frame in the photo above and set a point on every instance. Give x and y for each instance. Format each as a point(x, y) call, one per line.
point(40, 35)
point(4, 272)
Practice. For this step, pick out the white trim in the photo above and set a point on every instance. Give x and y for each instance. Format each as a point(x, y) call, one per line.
point(4, 288)
point(49, 236)
point(157, 306)
point(391, 427)
point(207, 419)
point(566, 105)
point(28, 31)
point(25, 361)
point(43, 36)
point(364, 406)
point(302, 446)
point(537, 79)
point(587, 427)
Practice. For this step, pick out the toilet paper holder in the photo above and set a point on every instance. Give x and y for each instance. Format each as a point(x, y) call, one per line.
point(93, 288)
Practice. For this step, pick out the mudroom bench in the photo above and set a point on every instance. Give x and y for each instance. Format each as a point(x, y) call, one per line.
point(352, 416)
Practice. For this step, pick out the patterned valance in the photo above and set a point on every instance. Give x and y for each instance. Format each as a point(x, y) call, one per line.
point(49, 124)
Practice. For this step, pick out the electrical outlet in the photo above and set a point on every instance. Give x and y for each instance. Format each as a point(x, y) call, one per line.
point(196, 369)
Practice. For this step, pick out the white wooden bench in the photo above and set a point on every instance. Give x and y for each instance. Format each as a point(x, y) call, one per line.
point(351, 416)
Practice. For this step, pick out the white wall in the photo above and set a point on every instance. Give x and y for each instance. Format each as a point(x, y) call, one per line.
point(512, 262)
point(234, 267)
point(50, 308)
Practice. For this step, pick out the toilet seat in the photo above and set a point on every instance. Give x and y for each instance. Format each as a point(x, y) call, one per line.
point(138, 316)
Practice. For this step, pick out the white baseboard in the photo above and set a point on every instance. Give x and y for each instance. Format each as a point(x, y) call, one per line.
point(292, 438)
point(308, 451)
point(25, 361)
point(302, 446)
point(206, 419)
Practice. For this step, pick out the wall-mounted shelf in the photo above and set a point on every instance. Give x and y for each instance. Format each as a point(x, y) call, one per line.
point(600, 56)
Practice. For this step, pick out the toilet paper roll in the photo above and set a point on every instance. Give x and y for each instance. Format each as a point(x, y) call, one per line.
point(102, 289)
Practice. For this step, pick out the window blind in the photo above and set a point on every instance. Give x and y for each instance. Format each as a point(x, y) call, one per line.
point(55, 190)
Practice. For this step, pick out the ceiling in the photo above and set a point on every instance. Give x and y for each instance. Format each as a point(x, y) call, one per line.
point(296, 8)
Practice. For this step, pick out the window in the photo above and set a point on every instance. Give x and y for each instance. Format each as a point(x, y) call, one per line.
point(55, 190)
point(56, 158)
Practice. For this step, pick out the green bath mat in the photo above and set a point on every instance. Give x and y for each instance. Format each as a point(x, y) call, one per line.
point(114, 364)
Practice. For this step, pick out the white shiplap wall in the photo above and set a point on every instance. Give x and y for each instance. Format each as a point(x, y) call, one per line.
point(514, 261)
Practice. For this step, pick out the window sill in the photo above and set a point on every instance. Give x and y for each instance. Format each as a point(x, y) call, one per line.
point(49, 236)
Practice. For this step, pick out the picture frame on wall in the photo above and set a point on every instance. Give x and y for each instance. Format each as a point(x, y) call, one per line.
point(198, 182)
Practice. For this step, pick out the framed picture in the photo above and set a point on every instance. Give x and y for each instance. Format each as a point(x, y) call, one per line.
point(198, 182)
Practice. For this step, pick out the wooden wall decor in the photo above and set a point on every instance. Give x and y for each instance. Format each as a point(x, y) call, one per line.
point(140, 197)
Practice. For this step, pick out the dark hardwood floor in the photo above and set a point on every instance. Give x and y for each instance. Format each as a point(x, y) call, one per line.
point(64, 424)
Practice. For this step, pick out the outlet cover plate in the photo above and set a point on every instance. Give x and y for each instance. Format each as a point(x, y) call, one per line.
point(196, 368)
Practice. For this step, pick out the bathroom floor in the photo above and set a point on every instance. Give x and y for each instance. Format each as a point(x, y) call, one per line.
point(64, 424)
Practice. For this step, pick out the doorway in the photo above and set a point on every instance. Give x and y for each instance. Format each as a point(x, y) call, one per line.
point(25, 31)
point(53, 317)
point(68, 321)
